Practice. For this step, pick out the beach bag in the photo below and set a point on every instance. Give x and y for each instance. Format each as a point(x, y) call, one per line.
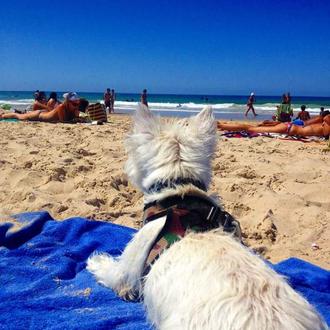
point(97, 112)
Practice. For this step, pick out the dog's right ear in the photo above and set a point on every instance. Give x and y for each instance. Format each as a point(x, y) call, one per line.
point(144, 120)
point(204, 121)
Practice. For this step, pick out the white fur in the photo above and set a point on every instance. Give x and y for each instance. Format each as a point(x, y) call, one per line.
point(206, 280)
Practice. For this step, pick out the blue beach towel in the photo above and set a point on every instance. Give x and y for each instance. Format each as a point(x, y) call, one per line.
point(44, 283)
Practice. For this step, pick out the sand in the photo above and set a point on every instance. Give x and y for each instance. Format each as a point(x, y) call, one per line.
point(278, 190)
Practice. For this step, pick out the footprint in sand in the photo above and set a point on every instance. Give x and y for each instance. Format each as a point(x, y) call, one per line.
point(58, 174)
point(267, 227)
point(115, 201)
point(85, 153)
point(62, 208)
point(83, 168)
point(118, 181)
point(247, 173)
point(27, 165)
point(97, 202)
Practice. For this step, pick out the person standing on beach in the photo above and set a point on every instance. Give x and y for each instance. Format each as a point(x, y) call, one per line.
point(283, 99)
point(144, 99)
point(113, 98)
point(250, 102)
point(107, 99)
point(288, 98)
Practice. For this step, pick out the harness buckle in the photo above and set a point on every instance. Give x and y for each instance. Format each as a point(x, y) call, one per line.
point(213, 214)
point(232, 226)
point(225, 220)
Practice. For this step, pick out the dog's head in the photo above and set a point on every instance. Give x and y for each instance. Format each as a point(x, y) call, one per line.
point(167, 150)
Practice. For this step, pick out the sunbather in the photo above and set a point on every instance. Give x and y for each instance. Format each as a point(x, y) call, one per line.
point(318, 129)
point(312, 120)
point(53, 102)
point(40, 101)
point(317, 119)
point(65, 112)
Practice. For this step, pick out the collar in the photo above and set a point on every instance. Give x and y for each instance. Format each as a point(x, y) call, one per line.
point(207, 213)
point(160, 185)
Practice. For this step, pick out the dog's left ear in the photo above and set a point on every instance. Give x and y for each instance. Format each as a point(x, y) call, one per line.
point(144, 121)
point(204, 121)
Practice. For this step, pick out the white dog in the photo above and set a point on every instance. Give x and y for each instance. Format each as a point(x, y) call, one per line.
point(208, 279)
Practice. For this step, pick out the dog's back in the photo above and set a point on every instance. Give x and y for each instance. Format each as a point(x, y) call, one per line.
point(210, 281)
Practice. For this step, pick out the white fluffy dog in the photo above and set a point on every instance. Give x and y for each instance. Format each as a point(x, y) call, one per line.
point(207, 280)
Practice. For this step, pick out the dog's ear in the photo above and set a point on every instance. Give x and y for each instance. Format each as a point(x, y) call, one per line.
point(204, 121)
point(143, 111)
point(144, 120)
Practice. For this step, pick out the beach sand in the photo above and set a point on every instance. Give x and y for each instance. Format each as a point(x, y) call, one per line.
point(278, 190)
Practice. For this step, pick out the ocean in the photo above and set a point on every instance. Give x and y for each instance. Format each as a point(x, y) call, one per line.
point(229, 107)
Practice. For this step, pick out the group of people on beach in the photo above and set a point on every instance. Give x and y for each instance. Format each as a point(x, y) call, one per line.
point(109, 98)
point(41, 102)
point(286, 99)
point(51, 109)
point(282, 122)
point(316, 126)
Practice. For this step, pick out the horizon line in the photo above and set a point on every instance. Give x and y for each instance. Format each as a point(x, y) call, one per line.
point(176, 94)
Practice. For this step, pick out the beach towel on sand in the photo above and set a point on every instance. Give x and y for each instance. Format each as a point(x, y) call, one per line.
point(245, 134)
point(44, 283)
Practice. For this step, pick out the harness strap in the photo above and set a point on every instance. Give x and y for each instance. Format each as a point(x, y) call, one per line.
point(184, 214)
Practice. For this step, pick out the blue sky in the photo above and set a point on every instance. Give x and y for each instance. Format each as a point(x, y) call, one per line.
point(204, 47)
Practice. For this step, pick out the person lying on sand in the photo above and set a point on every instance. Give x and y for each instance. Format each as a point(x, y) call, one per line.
point(40, 101)
point(314, 120)
point(317, 129)
point(53, 102)
point(317, 119)
point(68, 111)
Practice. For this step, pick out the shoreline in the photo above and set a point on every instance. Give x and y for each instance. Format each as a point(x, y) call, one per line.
point(277, 189)
point(185, 114)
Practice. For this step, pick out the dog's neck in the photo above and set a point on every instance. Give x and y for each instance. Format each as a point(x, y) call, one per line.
point(185, 209)
point(159, 186)
point(160, 190)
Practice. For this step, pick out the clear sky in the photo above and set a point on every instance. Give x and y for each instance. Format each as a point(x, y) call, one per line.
point(203, 47)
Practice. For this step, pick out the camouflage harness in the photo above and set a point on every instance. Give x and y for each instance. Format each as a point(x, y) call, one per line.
point(183, 215)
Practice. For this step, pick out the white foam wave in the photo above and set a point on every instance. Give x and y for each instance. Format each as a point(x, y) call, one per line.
point(17, 102)
point(266, 108)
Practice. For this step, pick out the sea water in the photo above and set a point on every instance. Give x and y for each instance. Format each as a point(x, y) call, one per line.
point(229, 107)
